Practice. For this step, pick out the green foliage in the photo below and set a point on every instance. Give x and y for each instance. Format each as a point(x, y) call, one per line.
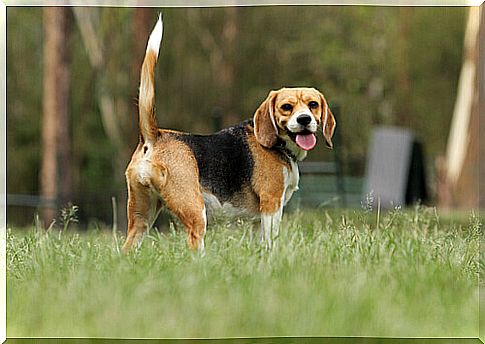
point(331, 274)
point(348, 52)
point(24, 93)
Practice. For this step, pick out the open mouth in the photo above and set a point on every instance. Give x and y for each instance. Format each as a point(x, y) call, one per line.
point(305, 139)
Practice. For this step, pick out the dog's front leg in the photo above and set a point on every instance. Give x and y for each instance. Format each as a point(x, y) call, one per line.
point(271, 207)
point(270, 226)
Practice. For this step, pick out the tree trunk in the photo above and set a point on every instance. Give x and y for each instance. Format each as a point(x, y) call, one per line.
point(143, 22)
point(55, 124)
point(64, 130)
point(224, 67)
point(229, 38)
point(462, 166)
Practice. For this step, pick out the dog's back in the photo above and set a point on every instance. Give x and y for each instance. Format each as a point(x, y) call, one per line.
point(224, 160)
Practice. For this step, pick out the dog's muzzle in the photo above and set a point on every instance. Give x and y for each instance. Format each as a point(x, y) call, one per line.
point(301, 129)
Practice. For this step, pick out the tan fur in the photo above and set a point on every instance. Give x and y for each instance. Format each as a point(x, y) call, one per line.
point(329, 128)
point(139, 210)
point(173, 177)
point(268, 179)
point(182, 193)
point(264, 128)
point(146, 105)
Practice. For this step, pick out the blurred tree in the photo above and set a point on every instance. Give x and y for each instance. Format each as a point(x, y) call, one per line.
point(462, 169)
point(221, 47)
point(55, 174)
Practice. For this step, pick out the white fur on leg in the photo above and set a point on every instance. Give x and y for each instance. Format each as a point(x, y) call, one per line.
point(202, 245)
point(270, 225)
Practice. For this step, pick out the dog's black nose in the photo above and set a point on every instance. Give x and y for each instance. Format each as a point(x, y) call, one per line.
point(304, 119)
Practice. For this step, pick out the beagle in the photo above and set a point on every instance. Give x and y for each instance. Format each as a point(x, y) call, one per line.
point(251, 167)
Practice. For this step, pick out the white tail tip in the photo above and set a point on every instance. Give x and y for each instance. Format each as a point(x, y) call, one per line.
point(156, 36)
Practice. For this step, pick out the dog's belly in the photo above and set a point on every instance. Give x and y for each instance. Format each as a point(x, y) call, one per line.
point(215, 207)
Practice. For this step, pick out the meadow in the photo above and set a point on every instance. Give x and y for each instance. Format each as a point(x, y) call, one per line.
point(409, 273)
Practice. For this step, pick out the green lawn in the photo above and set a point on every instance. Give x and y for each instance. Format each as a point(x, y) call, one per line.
point(332, 274)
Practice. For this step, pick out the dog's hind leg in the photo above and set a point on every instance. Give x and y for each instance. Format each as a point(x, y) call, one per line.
point(192, 213)
point(181, 190)
point(183, 197)
point(142, 208)
point(195, 222)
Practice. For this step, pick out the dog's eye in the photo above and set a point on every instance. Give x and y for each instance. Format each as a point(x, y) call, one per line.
point(313, 105)
point(286, 107)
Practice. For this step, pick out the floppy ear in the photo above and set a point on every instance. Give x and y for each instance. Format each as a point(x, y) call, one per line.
point(328, 122)
point(265, 128)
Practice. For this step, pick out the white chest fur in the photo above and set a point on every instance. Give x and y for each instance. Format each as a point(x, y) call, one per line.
point(292, 178)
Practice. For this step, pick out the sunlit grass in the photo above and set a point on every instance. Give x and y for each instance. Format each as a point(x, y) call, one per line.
point(331, 274)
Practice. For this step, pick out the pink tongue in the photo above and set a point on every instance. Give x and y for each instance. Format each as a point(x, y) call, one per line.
point(306, 141)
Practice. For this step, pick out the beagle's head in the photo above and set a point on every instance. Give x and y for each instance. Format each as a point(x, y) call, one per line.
point(294, 115)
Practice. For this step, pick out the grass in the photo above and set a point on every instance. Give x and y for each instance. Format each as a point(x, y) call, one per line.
point(331, 274)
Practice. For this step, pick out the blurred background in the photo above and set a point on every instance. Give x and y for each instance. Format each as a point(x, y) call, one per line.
point(400, 77)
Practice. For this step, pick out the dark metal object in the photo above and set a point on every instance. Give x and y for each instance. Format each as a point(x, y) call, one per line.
point(31, 201)
point(395, 169)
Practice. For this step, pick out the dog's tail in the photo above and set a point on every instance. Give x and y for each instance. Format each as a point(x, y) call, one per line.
point(146, 100)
